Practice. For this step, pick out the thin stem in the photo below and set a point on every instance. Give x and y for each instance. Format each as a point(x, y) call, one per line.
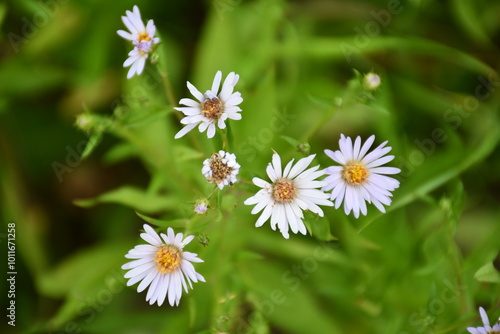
point(319, 124)
point(213, 192)
point(225, 141)
point(455, 257)
point(168, 88)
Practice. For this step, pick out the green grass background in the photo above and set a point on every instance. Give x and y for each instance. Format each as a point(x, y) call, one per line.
point(423, 267)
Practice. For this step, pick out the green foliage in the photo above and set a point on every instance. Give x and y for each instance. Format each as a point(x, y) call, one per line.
point(424, 266)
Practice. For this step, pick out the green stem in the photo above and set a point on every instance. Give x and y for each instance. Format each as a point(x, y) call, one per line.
point(213, 192)
point(225, 141)
point(168, 88)
point(319, 124)
point(455, 257)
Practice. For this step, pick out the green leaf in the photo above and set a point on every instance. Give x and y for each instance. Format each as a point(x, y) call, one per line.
point(292, 141)
point(319, 227)
point(92, 143)
point(186, 153)
point(488, 273)
point(119, 152)
point(175, 223)
point(3, 12)
point(84, 276)
point(335, 47)
point(133, 197)
point(466, 13)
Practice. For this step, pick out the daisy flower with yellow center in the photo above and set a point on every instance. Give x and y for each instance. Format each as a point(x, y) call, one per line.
point(162, 265)
point(212, 108)
point(360, 178)
point(289, 193)
point(142, 37)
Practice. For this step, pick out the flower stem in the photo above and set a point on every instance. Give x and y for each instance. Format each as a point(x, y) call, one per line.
point(168, 88)
point(319, 124)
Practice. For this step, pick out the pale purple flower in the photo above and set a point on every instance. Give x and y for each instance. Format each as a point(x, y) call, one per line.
point(486, 329)
point(142, 37)
point(360, 177)
point(162, 265)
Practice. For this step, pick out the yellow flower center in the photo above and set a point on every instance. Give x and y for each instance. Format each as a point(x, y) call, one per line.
point(143, 36)
point(168, 258)
point(355, 173)
point(284, 191)
point(220, 171)
point(212, 109)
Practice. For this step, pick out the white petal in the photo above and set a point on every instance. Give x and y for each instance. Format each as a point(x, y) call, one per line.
point(195, 92)
point(216, 83)
point(261, 183)
point(147, 280)
point(265, 215)
point(163, 289)
point(211, 131)
point(273, 175)
point(484, 317)
point(366, 146)
point(277, 165)
point(227, 87)
point(185, 130)
point(357, 146)
point(300, 166)
point(385, 170)
point(380, 161)
point(125, 35)
point(152, 294)
point(189, 102)
point(376, 153)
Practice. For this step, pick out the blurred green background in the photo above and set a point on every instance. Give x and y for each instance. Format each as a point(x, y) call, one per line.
point(423, 267)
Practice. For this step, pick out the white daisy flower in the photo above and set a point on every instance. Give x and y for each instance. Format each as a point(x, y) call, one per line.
point(289, 192)
point(211, 109)
point(221, 169)
point(486, 329)
point(360, 178)
point(143, 39)
point(162, 265)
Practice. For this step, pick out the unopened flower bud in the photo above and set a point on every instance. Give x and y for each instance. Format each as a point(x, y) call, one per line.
point(371, 81)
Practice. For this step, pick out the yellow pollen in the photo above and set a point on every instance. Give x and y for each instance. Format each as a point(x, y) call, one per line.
point(143, 36)
point(220, 171)
point(168, 259)
point(355, 173)
point(212, 109)
point(284, 191)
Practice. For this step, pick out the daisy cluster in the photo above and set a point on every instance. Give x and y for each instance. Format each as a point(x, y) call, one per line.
point(356, 178)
